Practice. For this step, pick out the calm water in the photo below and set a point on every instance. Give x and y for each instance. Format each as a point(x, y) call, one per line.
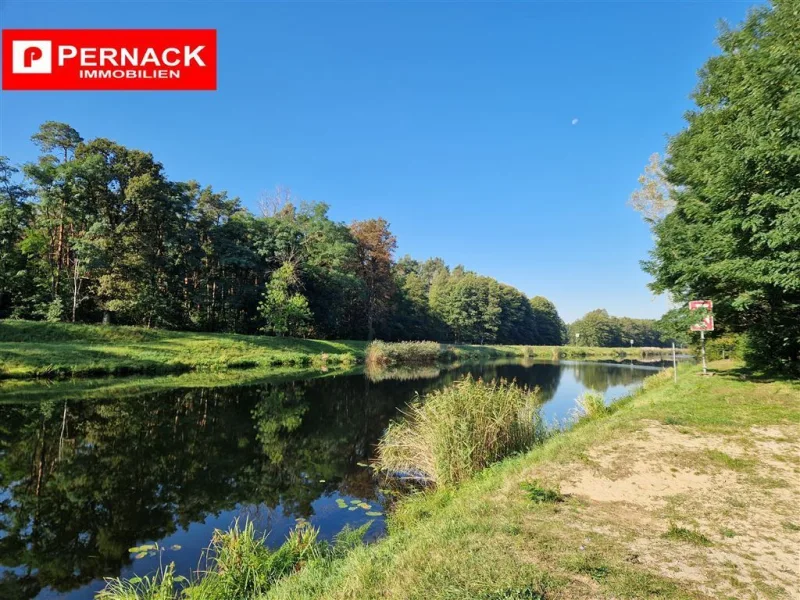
point(83, 481)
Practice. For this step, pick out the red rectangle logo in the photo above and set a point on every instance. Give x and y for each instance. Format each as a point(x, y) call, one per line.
point(110, 59)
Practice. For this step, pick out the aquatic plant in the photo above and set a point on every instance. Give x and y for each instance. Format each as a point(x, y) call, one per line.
point(387, 353)
point(163, 585)
point(450, 434)
point(238, 563)
point(590, 405)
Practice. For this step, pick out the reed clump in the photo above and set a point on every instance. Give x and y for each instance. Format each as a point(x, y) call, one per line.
point(238, 564)
point(450, 434)
point(389, 353)
point(591, 405)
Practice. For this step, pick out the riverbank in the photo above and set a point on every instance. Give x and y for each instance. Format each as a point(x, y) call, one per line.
point(31, 349)
point(685, 490)
point(49, 350)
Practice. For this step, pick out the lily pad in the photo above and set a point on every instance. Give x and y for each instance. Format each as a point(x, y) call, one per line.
point(365, 506)
point(142, 548)
point(355, 501)
point(175, 547)
point(341, 503)
point(140, 555)
point(353, 508)
point(374, 513)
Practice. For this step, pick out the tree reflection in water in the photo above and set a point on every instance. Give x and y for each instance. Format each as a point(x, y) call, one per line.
point(82, 481)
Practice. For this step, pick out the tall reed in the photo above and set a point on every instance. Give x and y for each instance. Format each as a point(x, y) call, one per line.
point(388, 353)
point(238, 564)
point(590, 405)
point(452, 433)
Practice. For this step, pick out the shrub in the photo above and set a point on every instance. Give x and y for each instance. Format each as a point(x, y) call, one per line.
point(387, 353)
point(452, 433)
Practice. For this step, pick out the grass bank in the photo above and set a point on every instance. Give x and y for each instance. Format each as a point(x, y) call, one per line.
point(680, 491)
point(684, 490)
point(390, 353)
point(33, 349)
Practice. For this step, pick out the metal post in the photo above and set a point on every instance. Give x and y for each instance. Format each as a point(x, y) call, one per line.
point(674, 363)
point(703, 349)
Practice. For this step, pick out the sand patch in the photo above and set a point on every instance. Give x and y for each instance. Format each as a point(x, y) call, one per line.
point(741, 492)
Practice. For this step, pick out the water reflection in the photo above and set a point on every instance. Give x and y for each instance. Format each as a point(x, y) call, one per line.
point(82, 481)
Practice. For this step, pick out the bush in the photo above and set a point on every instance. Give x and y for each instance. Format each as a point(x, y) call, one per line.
point(387, 353)
point(730, 345)
point(454, 432)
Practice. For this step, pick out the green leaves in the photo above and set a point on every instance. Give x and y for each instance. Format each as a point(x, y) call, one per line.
point(356, 504)
point(734, 232)
point(153, 549)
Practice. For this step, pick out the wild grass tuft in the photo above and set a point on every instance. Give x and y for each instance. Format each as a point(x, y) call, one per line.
point(681, 534)
point(238, 564)
point(540, 494)
point(161, 586)
point(452, 433)
point(388, 353)
point(591, 405)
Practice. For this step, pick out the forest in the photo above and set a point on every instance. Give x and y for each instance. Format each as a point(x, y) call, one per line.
point(95, 232)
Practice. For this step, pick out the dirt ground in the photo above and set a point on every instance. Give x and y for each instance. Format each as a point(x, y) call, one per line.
point(740, 494)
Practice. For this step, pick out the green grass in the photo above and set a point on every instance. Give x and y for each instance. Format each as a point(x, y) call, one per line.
point(690, 536)
point(33, 349)
point(539, 493)
point(238, 565)
point(486, 538)
point(390, 353)
point(503, 534)
point(591, 405)
point(385, 353)
point(450, 434)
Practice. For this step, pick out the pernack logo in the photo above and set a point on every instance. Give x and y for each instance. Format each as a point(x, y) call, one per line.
point(110, 59)
point(32, 56)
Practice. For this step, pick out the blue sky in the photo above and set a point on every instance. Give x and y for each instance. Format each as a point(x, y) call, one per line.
point(454, 121)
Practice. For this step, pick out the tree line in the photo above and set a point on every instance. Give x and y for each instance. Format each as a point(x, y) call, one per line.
point(598, 328)
point(95, 232)
point(724, 205)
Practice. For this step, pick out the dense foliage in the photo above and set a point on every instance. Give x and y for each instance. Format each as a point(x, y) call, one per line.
point(598, 328)
point(96, 232)
point(734, 172)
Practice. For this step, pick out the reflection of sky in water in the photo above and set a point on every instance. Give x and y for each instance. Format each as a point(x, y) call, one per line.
point(570, 386)
point(328, 517)
point(341, 416)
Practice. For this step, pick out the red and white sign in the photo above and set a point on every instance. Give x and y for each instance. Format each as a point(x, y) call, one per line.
point(109, 59)
point(707, 324)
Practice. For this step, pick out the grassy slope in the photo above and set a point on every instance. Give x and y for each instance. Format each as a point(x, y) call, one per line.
point(487, 539)
point(29, 349)
point(35, 349)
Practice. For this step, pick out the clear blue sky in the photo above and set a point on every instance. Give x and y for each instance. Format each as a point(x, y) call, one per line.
point(451, 120)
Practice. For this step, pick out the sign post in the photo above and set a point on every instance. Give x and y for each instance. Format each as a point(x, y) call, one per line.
point(707, 324)
point(674, 363)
